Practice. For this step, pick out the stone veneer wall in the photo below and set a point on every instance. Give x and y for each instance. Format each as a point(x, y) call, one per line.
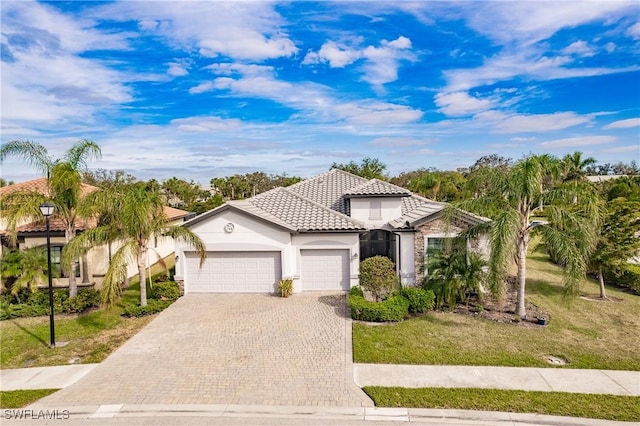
point(437, 226)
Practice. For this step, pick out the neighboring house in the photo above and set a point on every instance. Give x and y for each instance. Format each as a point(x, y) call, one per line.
point(91, 268)
point(316, 231)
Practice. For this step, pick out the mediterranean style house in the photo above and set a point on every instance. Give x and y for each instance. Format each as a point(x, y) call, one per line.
point(317, 232)
point(90, 269)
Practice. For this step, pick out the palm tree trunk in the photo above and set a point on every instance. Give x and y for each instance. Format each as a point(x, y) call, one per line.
point(603, 293)
point(141, 275)
point(522, 277)
point(73, 287)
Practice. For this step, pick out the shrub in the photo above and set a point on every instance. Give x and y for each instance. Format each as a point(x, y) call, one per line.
point(286, 287)
point(420, 300)
point(87, 298)
point(153, 307)
point(378, 276)
point(395, 308)
point(356, 291)
point(165, 290)
point(19, 310)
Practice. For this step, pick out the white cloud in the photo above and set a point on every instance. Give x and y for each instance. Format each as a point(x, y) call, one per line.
point(628, 148)
point(623, 124)
point(528, 123)
point(521, 139)
point(178, 69)
point(239, 30)
point(203, 87)
point(381, 63)
point(392, 142)
point(336, 56)
point(205, 124)
point(579, 48)
point(578, 141)
point(634, 31)
point(460, 103)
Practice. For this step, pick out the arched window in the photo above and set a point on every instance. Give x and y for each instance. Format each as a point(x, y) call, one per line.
point(378, 242)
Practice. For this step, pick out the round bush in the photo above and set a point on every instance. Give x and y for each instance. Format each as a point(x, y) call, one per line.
point(378, 276)
point(167, 290)
point(395, 308)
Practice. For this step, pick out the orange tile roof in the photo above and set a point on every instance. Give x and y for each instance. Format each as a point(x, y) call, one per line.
point(55, 224)
point(38, 185)
point(173, 213)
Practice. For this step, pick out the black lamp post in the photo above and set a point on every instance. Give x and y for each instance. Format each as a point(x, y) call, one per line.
point(47, 210)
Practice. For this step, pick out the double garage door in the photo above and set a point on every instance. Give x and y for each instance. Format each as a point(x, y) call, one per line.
point(259, 272)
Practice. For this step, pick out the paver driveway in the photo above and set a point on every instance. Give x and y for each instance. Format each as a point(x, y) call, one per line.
point(231, 349)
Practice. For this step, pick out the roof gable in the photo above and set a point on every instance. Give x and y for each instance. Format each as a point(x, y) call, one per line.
point(377, 188)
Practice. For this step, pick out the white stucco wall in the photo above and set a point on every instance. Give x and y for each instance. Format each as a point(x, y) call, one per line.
point(390, 209)
point(249, 234)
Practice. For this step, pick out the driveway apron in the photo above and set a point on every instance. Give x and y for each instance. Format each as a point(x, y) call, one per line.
point(231, 349)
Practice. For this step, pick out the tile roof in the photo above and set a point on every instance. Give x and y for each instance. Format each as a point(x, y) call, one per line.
point(321, 203)
point(328, 189)
point(301, 213)
point(377, 188)
point(38, 185)
point(55, 224)
point(172, 213)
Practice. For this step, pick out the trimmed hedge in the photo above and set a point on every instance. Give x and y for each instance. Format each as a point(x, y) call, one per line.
point(629, 278)
point(420, 300)
point(395, 308)
point(37, 303)
point(153, 307)
point(165, 290)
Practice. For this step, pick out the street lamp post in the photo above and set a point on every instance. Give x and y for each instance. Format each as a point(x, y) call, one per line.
point(47, 210)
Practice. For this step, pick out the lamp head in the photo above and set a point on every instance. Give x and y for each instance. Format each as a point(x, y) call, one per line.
point(47, 208)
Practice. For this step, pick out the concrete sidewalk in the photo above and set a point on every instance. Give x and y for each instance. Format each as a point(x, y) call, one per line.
point(56, 377)
point(530, 379)
point(610, 382)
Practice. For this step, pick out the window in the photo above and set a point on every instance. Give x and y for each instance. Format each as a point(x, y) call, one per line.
point(56, 267)
point(375, 210)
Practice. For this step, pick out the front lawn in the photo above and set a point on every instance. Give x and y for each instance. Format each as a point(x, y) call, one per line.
point(586, 333)
point(22, 398)
point(611, 407)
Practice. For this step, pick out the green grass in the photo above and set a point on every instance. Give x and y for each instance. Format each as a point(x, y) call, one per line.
point(610, 407)
point(21, 398)
point(588, 334)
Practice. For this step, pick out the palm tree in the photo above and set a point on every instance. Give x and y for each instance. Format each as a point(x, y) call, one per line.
point(64, 186)
point(575, 170)
point(24, 269)
point(140, 218)
point(568, 231)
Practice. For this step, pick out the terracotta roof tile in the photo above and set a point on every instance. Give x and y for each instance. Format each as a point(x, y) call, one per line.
point(39, 186)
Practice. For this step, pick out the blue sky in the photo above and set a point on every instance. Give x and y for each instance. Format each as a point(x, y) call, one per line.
point(204, 89)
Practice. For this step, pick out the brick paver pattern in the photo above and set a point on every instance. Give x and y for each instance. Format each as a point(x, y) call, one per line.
point(231, 349)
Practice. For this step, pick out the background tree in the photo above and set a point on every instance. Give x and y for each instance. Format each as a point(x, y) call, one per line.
point(64, 181)
point(574, 170)
point(103, 178)
point(618, 241)
point(140, 219)
point(369, 168)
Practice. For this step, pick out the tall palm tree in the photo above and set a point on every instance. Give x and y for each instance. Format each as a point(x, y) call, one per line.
point(575, 170)
point(569, 230)
point(140, 218)
point(64, 185)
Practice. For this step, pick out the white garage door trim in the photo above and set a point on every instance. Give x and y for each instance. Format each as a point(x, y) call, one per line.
point(325, 269)
point(233, 272)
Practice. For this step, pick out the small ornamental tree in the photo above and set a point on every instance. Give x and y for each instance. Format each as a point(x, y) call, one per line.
point(378, 276)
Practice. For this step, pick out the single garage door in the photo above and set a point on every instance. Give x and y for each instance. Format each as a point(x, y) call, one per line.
point(233, 272)
point(325, 269)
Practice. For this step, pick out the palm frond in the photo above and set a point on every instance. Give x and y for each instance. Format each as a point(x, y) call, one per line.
point(117, 274)
point(81, 152)
point(503, 237)
point(32, 153)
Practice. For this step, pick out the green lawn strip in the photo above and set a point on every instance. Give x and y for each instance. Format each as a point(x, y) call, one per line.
point(588, 334)
point(90, 337)
point(610, 407)
point(21, 398)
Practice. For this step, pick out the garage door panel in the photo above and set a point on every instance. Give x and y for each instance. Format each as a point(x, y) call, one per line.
point(325, 269)
point(233, 272)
